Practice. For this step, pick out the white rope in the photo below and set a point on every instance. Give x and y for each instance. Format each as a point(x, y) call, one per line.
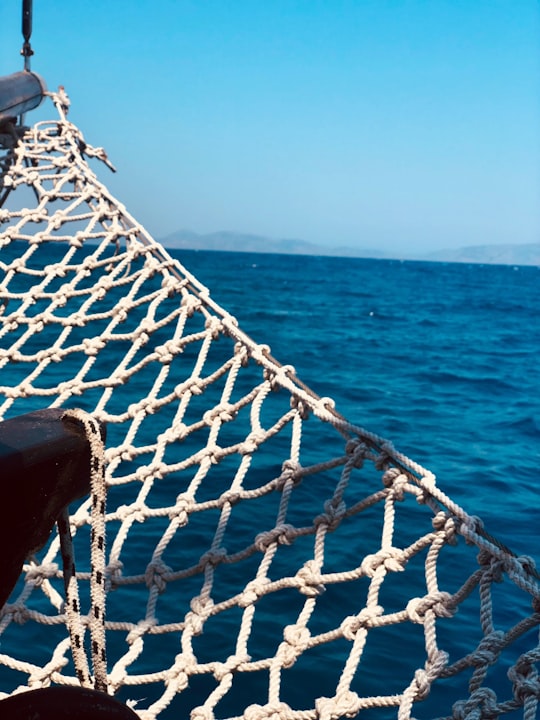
point(210, 613)
point(98, 492)
point(73, 603)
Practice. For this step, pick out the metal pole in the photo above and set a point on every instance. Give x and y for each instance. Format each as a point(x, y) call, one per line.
point(27, 51)
point(19, 93)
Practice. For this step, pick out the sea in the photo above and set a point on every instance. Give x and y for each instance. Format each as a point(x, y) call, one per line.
point(442, 359)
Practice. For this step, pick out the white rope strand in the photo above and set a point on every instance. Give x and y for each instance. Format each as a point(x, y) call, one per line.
point(73, 603)
point(98, 492)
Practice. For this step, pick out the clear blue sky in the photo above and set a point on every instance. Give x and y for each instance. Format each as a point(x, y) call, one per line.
point(399, 124)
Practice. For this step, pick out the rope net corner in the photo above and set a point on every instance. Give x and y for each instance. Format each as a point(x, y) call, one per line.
point(265, 558)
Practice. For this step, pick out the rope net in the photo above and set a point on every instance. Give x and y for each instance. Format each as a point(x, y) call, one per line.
point(265, 558)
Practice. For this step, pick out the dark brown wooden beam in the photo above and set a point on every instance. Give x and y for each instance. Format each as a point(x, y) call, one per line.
point(64, 703)
point(44, 466)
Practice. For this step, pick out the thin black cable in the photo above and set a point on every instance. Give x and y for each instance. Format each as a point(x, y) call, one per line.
point(26, 50)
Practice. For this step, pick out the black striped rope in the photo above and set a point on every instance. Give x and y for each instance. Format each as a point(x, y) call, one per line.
point(92, 432)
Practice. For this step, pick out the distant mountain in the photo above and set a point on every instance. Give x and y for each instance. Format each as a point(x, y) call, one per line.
point(241, 242)
point(491, 254)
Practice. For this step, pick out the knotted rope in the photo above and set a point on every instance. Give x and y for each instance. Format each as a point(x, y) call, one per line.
point(266, 557)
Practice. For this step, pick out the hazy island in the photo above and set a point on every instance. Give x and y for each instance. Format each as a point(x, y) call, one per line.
point(226, 241)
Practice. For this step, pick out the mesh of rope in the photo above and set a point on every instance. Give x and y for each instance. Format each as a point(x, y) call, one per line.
point(265, 557)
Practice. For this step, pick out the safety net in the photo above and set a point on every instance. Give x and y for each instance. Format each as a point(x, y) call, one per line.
point(264, 557)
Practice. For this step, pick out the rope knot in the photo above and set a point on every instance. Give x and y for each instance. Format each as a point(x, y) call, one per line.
point(529, 566)
point(391, 559)
point(134, 511)
point(283, 534)
point(524, 677)
point(57, 220)
point(214, 326)
point(290, 472)
point(469, 528)
point(178, 431)
point(241, 351)
point(32, 178)
point(232, 497)
point(156, 575)
point(424, 677)
point(185, 662)
point(352, 624)
point(345, 704)
point(296, 641)
point(443, 522)
point(496, 570)
point(224, 412)
point(276, 377)
point(422, 684)
point(36, 574)
point(357, 452)
point(252, 592)
point(301, 407)
point(397, 485)
point(252, 442)
point(114, 573)
point(297, 636)
point(201, 605)
point(201, 608)
point(215, 453)
point(488, 650)
point(390, 476)
point(481, 703)
point(182, 509)
point(166, 352)
point(191, 304)
point(324, 406)
point(385, 457)
point(438, 603)
point(213, 557)
point(92, 346)
point(229, 666)
point(271, 711)
point(309, 577)
point(334, 511)
point(142, 627)
point(58, 270)
point(19, 613)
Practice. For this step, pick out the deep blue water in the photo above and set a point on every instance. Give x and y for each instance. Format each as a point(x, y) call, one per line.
point(441, 359)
